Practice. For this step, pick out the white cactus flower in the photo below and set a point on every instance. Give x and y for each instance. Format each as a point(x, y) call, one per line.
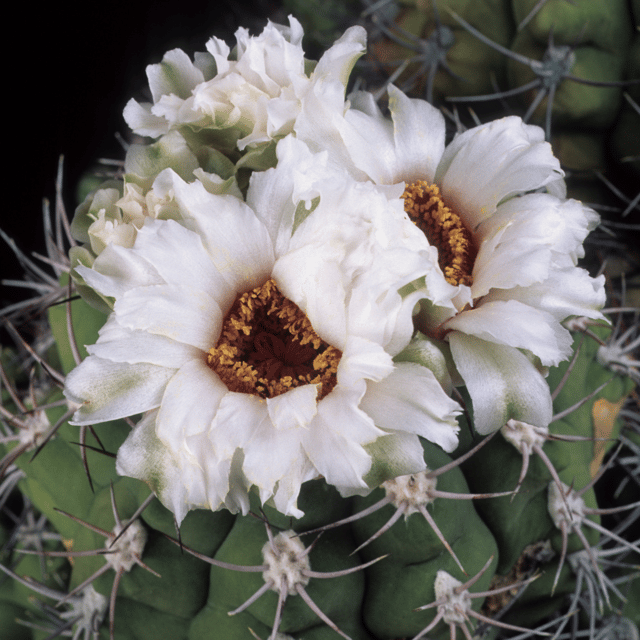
point(250, 96)
point(258, 340)
point(508, 250)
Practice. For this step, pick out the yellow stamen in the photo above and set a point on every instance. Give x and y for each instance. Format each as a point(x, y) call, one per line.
point(268, 346)
point(444, 230)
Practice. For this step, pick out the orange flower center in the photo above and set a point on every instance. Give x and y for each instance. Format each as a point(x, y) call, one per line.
point(444, 230)
point(268, 346)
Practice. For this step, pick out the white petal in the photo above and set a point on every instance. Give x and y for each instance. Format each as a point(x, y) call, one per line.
point(486, 164)
point(339, 59)
point(274, 194)
point(293, 409)
point(342, 462)
point(189, 404)
point(347, 137)
point(516, 244)
point(315, 284)
point(334, 442)
point(286, 495)
point(176, 74)
point(189, 259)
point(179, 486)
point(272, 455)
point(117, 270)
point(411, 400)
point(237, 242)
point(110, 390)
point(419, 132)
point(502, 382)
point(124, 345)
point(514, 324)
point(142, 121)
point(363, 359)
point(178, 312)
point(238, 417)
point(564, 293)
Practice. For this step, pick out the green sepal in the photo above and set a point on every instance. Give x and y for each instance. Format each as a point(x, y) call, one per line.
point(83, 256)
point(171, 151)
point(102, 198)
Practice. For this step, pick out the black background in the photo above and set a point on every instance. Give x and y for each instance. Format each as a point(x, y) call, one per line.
point(68, 75)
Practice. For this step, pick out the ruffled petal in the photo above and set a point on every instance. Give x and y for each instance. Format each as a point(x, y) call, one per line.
point(160, 238)
point(564, 293)
point(316, 285)
point(487, 164)
point(178, 482)
point(239, 416)
point(119, 344)
point(335, 441)
point(275, 194)
point(237, 242)
point(514, 324)
point(272, 455)
point(189, 405)
point(418, 133)
point(502, 382)
point(516, 244)
point(293, 409)
point(176, 75)
point(117, 270)
point(324, 125)
point(363, 359)
point(181, 313)
point(337, 62)
point(142, 121)
point(411, 400)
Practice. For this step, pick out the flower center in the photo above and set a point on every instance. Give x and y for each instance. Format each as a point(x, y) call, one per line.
point(268, 346)
point(444, 230)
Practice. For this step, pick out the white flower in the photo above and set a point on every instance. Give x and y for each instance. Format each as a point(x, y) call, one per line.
point(509, 251)
point(251, 96)
point(117, 209)
point(258, 340)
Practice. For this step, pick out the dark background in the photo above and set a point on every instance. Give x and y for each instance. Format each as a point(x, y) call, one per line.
point(66, 84)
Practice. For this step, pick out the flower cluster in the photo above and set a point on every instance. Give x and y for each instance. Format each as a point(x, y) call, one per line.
point(295, 282)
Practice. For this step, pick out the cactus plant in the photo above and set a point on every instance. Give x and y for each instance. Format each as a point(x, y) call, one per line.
point(385, 506)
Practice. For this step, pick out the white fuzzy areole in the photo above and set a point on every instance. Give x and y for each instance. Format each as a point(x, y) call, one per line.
point(566, 507)
point(128, 548)
point(457, 602)
point(286, 562)
point(524, 436)
point(411, 491)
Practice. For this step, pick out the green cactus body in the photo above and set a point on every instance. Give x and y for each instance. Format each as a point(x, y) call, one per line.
point(475, 64)
point(591, 41)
